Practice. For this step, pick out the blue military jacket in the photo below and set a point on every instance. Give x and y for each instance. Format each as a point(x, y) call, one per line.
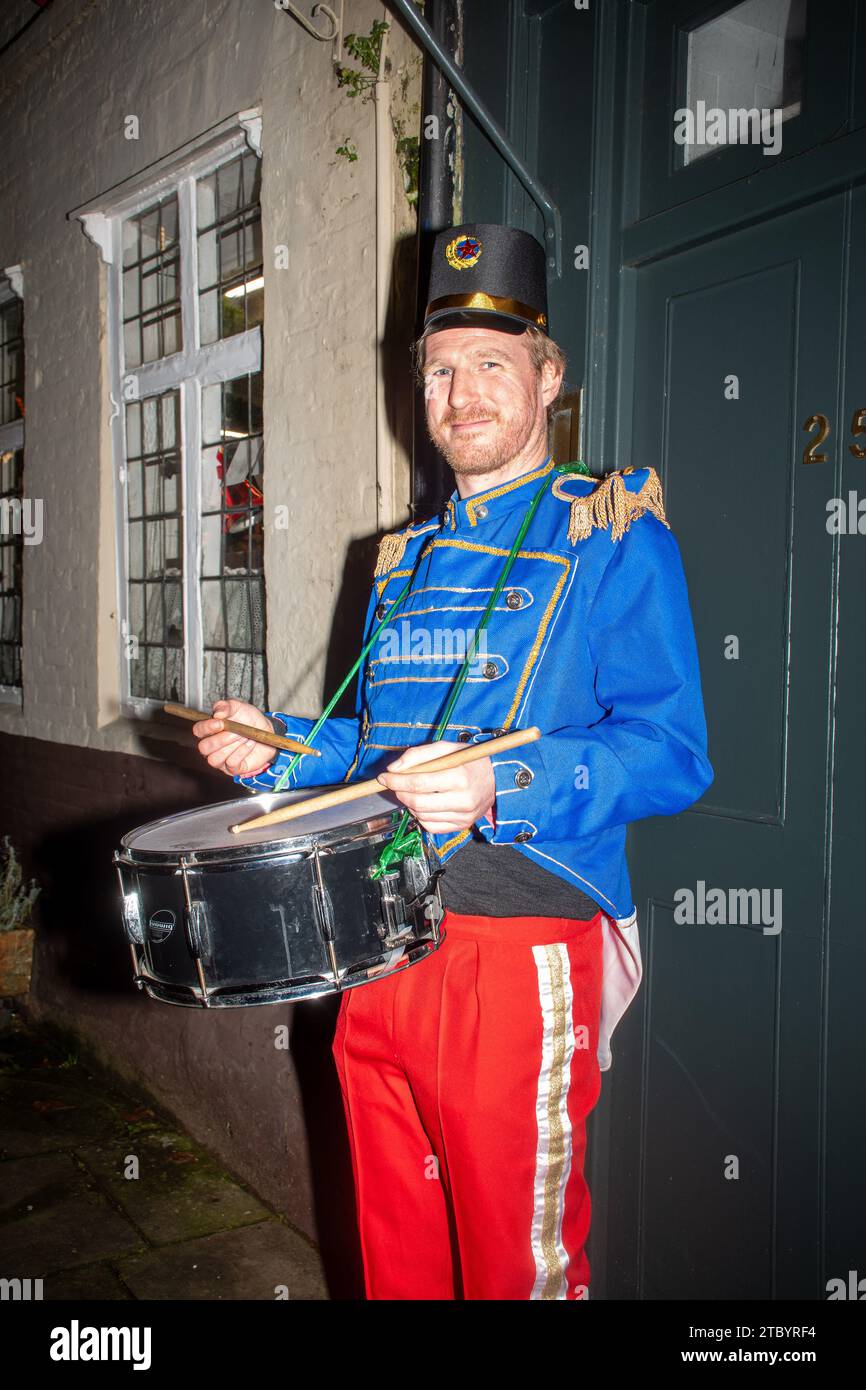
point(591, 640)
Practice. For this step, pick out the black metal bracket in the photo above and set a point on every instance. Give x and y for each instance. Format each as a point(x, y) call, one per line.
point(496, 135)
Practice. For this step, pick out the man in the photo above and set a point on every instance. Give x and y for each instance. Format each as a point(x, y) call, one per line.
point(467, 1078)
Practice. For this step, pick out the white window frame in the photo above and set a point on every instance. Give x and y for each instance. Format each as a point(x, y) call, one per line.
point(187, 371)
point(12, 438)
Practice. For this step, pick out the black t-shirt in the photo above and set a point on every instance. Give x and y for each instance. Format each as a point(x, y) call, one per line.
point(484, 880)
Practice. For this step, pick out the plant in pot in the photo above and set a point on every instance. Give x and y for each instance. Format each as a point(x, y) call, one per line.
point(16, 933)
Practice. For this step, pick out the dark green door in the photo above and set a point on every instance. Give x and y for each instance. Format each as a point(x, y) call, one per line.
point(722, 308)
point(728, 1080)
point(728, 1154)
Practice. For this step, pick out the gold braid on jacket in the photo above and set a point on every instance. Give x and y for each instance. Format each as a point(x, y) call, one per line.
point(611, 504)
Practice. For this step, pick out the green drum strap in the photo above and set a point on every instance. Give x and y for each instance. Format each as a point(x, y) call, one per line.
point(406, 842)
point(401, 597)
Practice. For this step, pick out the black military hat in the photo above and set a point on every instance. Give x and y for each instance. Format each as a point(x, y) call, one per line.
point(484, 272)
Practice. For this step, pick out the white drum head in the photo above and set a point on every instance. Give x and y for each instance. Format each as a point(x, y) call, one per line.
point(207, 829)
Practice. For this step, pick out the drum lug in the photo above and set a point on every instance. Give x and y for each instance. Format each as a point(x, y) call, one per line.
point(324, 910)
point(195, 924)
point(131, 910)
point(418, 875)
point(196, 929)
point(395, 926)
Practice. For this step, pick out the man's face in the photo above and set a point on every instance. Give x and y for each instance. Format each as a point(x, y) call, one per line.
point(485, 402)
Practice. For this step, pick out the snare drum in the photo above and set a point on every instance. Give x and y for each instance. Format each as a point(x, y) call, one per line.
point(225, 920)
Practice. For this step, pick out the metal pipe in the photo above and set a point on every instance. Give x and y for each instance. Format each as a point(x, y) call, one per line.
point(494, 132)
point(432, 481)
point(388, 507)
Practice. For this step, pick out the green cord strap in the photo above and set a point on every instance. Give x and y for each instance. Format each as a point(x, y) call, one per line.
point(338, 692)
point(408, 843)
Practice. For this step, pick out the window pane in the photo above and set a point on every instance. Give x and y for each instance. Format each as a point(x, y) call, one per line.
point(174, 674)
point(136, 551)
point(259, 697)
point(11, 551)
point(137, 673)
point(155, 673)
point(136, 610)
point(232, 559)
point(135, 494)
point(151, 284)
point(131, 298)
point(214, 678)
point(747, 61)
point(133, 431)
point(213, 626)
point(230, 249)
point(149, 418)
point(131, 252)
point(11, 354)
point(155, 543)
point(132, 344)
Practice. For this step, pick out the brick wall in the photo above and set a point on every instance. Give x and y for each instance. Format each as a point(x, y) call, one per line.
point(274, 1117)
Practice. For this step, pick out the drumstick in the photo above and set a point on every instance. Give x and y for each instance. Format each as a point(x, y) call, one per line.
point(358, 789)
point(292, 745)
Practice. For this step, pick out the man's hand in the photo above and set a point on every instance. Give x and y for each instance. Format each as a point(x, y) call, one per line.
point(441, 801)
point(231, 753)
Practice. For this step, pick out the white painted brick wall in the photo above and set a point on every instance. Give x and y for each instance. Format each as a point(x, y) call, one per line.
point(65, 89)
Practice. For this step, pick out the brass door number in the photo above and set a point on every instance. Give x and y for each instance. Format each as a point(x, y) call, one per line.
point(822, 424)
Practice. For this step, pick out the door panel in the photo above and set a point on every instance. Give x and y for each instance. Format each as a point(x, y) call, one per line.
point(736, 344)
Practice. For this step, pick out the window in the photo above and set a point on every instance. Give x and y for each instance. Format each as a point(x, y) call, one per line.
point(750, 59)
point(13, 517)
point(186, 306)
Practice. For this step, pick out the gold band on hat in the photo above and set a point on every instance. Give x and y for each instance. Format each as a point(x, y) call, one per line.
point(494, 302)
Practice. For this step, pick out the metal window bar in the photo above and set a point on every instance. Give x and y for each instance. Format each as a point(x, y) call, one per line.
point(11, 486)
point(11, 555)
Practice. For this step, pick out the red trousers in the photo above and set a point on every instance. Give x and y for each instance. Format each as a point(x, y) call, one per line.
point(466, 1082)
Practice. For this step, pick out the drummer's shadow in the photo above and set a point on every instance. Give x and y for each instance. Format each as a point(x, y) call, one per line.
point(84, 950)
point(312, 1033)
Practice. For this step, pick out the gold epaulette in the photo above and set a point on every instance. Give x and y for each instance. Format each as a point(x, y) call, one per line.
point(611, 504)
point(391, 551)
point(392, 548)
